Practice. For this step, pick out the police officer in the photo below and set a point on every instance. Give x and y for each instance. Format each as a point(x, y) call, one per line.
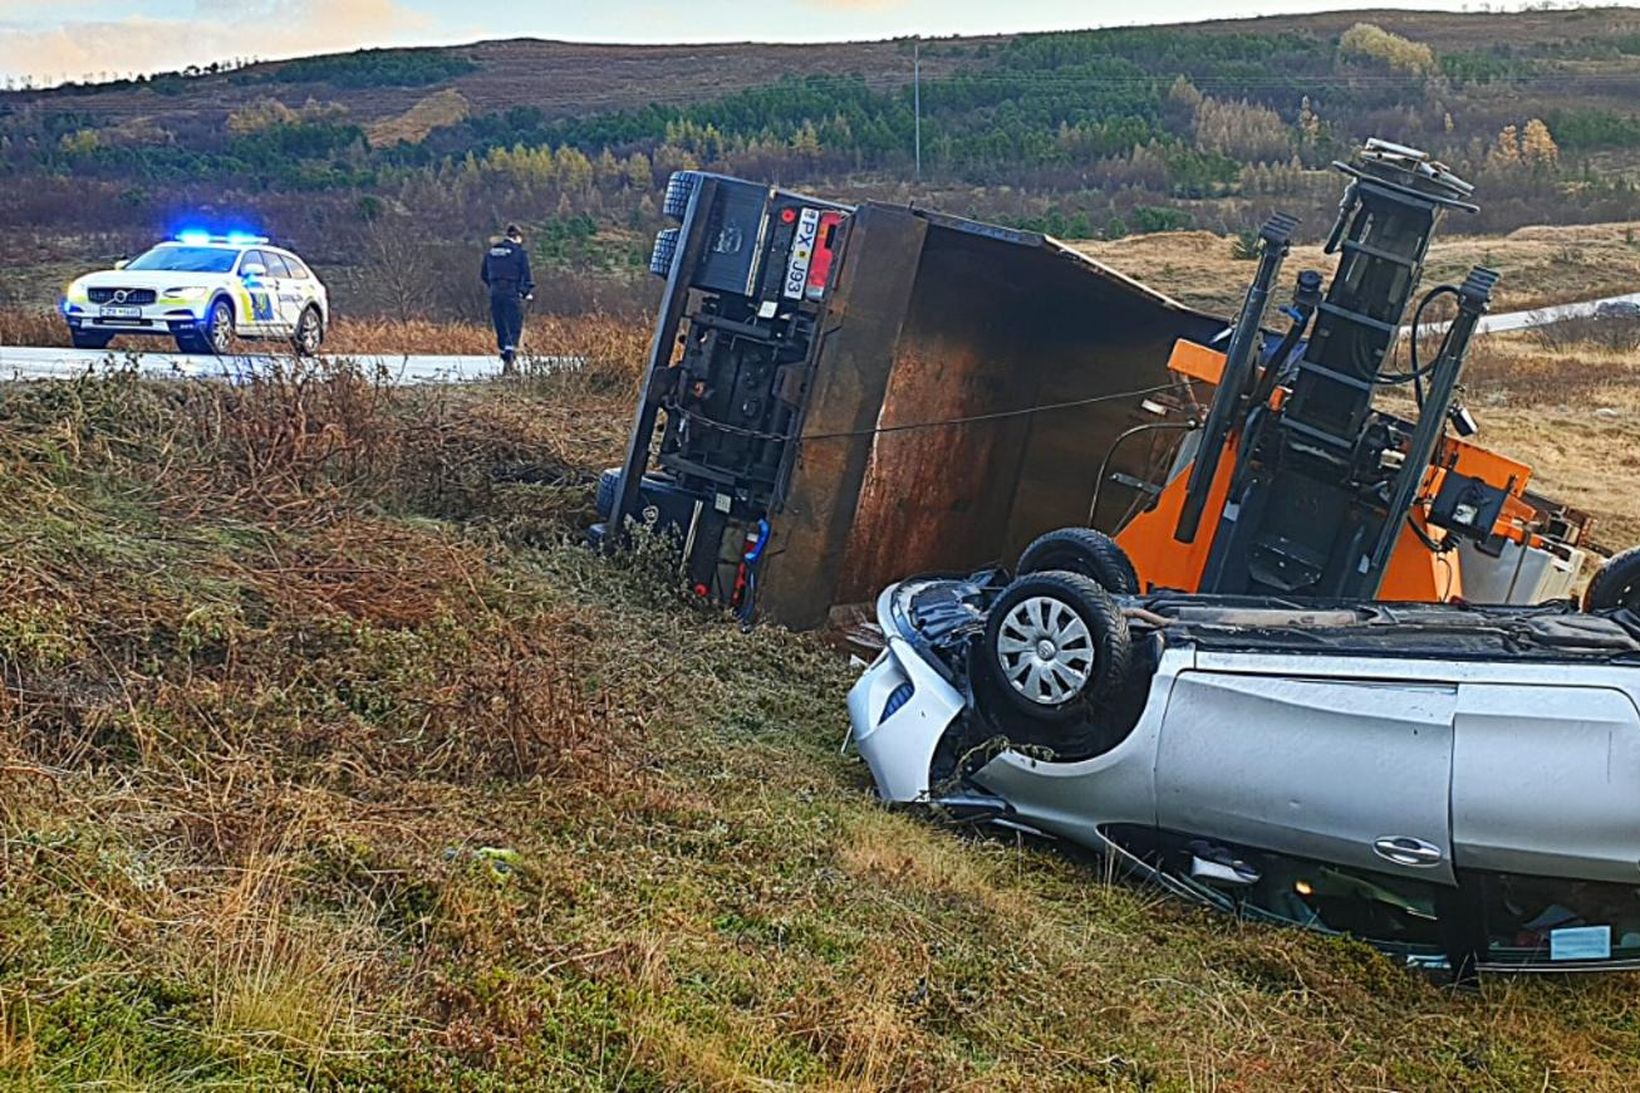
point(506, 273)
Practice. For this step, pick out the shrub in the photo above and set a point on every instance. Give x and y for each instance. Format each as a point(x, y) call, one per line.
point(1378, 44)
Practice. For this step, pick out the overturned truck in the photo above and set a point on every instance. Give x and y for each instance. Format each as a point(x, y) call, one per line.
point(839, 395)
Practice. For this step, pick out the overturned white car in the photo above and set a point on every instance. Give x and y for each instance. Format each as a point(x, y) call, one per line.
point(1458, 785)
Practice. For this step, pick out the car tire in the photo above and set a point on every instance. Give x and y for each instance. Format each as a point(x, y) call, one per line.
point(309, 334)
point(1616, 583)
point(216, 332)
point(82, 340)
point(1086, 551)
point(1053, 642)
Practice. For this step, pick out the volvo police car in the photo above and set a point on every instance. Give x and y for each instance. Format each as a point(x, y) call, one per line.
point(203, 290)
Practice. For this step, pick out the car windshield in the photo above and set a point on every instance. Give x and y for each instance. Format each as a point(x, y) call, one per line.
point(187, 259)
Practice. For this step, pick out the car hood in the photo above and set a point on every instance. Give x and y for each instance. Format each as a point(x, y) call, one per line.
point(159, 280)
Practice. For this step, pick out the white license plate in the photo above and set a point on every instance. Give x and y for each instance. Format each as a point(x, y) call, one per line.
point(121, 313)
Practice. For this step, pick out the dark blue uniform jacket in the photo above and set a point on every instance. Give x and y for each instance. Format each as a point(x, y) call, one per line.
point(507, 270)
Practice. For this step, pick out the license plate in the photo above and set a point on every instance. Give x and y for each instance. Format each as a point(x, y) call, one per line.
point(121, 313)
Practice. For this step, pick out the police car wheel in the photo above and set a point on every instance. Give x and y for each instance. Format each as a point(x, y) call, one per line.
point(83, 340)
point(218, 329)
point(310, 332)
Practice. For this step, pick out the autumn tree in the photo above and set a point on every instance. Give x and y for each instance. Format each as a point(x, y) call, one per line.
point(1378, 44)
point(1537, 146)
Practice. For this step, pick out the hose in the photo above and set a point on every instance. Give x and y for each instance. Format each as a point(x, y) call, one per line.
point(1418, 371)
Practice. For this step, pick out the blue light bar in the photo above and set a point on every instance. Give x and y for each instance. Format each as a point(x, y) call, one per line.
point(195, 237)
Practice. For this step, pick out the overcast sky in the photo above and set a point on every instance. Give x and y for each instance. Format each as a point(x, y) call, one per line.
point(58, 39)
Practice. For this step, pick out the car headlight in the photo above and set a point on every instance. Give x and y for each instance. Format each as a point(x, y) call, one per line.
point(192, 292)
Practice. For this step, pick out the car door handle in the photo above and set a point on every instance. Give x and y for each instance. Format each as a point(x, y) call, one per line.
point(1405, 850)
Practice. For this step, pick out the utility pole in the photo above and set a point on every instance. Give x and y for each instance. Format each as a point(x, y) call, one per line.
point(916, 97)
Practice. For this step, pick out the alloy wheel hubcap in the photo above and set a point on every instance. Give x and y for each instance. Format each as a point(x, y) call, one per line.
point(1045, 650)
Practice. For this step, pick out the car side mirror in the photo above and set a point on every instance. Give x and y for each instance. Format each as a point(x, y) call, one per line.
point(254, 270)
point(122, 263)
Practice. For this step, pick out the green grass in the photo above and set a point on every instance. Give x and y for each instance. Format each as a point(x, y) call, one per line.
point(311, 775)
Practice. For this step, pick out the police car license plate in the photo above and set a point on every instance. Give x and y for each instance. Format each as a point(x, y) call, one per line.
point(121, 313)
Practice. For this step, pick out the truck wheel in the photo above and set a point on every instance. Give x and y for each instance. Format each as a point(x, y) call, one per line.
point(665, 253)
point(1053, 641)
point(1616, 583)
point(604, 500)
point(679, 189)
point(1086, 551)
point(83, 340)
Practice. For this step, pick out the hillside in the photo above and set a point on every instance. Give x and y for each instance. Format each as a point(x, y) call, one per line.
point(330, 760)
point(409, 158)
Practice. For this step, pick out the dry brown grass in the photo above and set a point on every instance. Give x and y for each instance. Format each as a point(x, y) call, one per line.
point(437, 110)
point(327, 759)
point(605, 339)
point(1541, 265)
point(1571, 411)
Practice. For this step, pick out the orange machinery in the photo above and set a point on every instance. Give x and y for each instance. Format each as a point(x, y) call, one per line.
point(1300, 483)
point(1425, 565)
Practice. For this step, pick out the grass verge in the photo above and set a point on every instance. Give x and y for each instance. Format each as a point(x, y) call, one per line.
point(329, 758)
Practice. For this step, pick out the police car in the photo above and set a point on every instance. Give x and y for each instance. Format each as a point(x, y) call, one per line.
point(203, 290)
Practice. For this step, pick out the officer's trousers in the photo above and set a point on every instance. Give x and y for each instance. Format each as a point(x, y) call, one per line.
point(507, 312)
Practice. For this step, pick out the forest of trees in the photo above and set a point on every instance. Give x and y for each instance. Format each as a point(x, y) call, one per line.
point(1080, 134)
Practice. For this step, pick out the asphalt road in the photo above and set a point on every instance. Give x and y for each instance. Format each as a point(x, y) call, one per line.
point(1545, 316)
point(18, 362)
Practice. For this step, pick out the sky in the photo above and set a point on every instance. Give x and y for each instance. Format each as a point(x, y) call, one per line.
point(53, 40)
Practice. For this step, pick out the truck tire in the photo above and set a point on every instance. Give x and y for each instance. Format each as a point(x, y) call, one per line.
point(679, 189)
point(604, 500)
point(665, 253)
point(1616, 583)
point(1053, 642)
point(1086, 551)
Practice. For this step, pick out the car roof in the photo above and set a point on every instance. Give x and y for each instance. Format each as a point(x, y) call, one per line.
point(221, 244)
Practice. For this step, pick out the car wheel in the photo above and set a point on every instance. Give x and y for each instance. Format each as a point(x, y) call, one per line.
point(310, 333)
point(1616, 583)
point(83, 340)
point(1053, 641)
point(1086, 551)
point(216, 335)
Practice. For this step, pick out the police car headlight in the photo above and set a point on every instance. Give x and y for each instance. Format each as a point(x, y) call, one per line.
point(193, 292)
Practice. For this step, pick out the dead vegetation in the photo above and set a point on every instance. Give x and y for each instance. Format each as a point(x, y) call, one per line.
point(1540, 265)
point(601, 337)
point(330, 758)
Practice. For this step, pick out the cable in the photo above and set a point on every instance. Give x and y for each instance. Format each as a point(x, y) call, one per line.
point(880, 429)
point(1110, 452)
point(1418, 371)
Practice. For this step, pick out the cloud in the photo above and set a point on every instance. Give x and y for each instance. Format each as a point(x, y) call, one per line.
point(218, 31)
